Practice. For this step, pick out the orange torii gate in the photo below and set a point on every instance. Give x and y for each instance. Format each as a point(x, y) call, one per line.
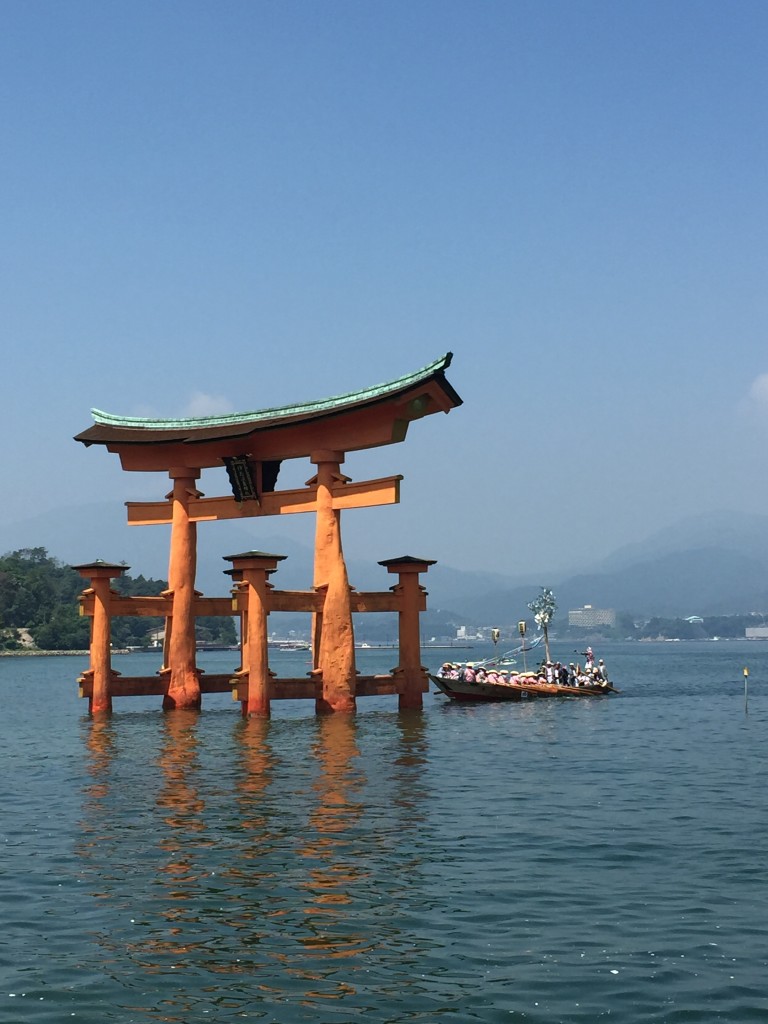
point(252, 446)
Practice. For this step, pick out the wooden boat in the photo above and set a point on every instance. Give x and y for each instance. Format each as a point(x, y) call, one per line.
point(460, 691)
point(464, 692)
point(542, 689)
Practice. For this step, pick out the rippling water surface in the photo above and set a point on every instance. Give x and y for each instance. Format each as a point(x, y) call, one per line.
point(545, 861)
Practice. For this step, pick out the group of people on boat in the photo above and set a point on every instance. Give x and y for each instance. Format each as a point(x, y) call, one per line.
point(589, 674)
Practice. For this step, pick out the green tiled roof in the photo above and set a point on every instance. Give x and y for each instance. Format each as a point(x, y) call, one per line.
point(326, 405)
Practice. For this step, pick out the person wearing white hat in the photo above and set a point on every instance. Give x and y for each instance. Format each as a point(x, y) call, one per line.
point(467, 674)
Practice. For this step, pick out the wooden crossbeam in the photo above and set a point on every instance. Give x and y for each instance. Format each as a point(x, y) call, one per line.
point(294, 600)
point(381, 601)
point(302, 689)
point(157, 606)
point(364, 494)
point(279, 689)
point(277, 601)
point(152, 686)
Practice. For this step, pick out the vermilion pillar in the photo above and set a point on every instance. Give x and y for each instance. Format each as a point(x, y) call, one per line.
point(334, 649)
point(184, 678)
point(100, 670)
point(411, 674)
point(239, 607)
point(252, 568)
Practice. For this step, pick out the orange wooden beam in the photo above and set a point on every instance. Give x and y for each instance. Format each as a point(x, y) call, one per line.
point(364, 494)
point(153, 686)
point(306, 689)
point(352, 432)
point(380, 601)
point(294, 601)
point(157, 606)
point(279, 689)
point(277, 601)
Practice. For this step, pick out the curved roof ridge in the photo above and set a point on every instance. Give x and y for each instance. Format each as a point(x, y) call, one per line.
point(113, 420)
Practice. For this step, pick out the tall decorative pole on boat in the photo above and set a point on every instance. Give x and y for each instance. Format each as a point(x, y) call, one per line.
point(521, 628)
point(543, 608)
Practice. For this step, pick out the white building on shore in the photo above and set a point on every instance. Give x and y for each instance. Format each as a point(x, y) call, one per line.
point(588, 616)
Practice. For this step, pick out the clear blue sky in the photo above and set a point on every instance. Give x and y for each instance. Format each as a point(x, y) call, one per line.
point(196, 198)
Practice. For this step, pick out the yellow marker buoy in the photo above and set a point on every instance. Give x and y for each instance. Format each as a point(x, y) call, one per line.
point(746, 678)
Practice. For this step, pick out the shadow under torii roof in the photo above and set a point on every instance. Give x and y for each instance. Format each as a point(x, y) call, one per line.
point(362, 419)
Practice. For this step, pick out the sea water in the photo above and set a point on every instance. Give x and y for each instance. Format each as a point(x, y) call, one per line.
point(553, 860)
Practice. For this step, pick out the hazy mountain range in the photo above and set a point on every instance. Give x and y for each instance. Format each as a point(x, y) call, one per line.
point(707, 565)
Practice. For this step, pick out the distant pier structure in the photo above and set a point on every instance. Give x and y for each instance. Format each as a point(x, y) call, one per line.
point(250, 448)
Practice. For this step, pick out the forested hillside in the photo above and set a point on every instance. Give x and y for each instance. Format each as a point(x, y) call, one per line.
point(39, 599)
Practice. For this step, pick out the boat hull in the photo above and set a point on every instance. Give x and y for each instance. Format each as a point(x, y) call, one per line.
point(476, 693)
point(557, 690)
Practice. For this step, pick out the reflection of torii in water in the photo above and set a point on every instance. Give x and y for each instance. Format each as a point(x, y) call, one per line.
point(252, 446)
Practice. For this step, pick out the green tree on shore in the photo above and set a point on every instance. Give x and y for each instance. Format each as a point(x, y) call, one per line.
point(39, 594)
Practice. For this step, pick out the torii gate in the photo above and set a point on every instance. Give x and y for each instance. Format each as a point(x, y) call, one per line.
point(252, 447)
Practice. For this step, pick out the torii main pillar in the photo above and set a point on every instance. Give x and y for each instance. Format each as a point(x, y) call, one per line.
point(184, 678)
point(333, 640)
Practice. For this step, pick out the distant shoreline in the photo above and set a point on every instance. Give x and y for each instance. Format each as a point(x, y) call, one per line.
point(44, 654)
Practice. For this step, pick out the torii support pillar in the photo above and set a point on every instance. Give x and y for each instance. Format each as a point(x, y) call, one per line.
point(410, 673)
point(251, 569)
point(333, 639)
point(99, 574)
point(183, 691)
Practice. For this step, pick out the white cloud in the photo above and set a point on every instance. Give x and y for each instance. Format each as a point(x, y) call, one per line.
point(758, 391)
point(201, 404)
point(752, 410)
